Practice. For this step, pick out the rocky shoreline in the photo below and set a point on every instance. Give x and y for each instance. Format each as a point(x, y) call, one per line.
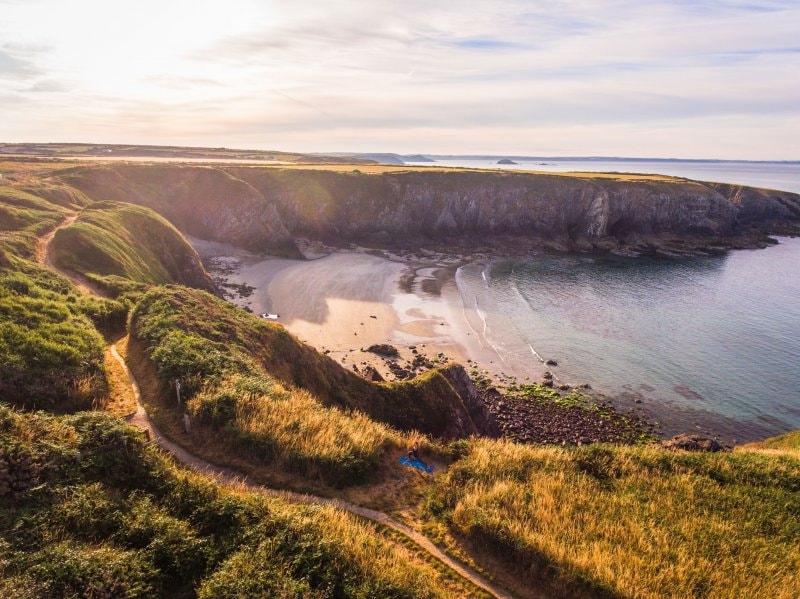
point(533, 412)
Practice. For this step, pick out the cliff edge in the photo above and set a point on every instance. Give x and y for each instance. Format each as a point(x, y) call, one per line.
point(265, 208)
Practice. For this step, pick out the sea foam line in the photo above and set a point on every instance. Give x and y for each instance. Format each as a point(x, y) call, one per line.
point(483, 337)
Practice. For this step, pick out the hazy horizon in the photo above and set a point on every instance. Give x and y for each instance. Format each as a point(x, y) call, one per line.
point(432, 155)
point(688, 80)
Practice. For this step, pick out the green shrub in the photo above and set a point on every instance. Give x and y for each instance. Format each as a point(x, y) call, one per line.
point(71, 570)
point(176, 549)
point(108, 515)
point(256, 573)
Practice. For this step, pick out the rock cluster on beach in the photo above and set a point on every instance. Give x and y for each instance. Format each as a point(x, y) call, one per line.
point(529, 420)
point(554, 413)
point(693, 442)
point(383, 349)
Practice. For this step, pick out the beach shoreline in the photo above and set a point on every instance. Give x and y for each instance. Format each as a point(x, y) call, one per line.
point(345, 300)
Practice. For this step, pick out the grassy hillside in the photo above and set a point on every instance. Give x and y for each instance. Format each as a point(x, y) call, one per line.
point(88, 508)
point(51, 345)
point(23, 218)
point(131, 242)
point(195, 336)
point(276, 399)
point(788, 443)
point(615, 521)
point(51, 349)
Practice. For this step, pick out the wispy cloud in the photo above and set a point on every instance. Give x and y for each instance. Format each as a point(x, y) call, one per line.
point(662, 77)
point(478, 43)
point(16, 62)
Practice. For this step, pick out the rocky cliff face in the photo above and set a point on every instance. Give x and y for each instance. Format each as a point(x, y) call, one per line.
point(205, 202)
point(264, 208)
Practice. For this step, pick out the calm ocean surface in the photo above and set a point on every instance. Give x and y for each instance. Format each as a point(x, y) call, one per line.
point(773, 175)
point(704, 343)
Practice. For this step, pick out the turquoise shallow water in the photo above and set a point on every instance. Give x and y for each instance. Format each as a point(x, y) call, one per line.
point(705, 343)
point(711, 342)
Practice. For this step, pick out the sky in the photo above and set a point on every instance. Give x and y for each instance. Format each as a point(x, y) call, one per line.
point(693, 79)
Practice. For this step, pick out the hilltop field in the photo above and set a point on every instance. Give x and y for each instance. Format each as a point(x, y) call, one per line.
point(93, 263)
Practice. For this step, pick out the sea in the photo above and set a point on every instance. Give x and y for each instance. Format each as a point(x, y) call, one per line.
point(707, 344)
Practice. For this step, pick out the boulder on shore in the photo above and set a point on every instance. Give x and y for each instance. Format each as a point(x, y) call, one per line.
point(371, 374)
point(691, 442)
point(383, 349)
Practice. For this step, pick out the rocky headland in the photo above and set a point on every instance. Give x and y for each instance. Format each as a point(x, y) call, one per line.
point(269, 208)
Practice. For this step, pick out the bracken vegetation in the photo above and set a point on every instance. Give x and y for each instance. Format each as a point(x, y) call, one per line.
point(89, 509)
point(621, 521)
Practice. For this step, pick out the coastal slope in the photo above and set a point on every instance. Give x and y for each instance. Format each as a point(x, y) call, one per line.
point(110, 239)
point(89, 506)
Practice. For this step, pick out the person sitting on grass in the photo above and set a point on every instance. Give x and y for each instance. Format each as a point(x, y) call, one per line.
point(413, 454)
point(413, 451)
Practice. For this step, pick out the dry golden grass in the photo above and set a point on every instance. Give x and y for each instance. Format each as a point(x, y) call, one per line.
point(312, 453)
point(786, 444)
point(289, 427)
point(632, 521)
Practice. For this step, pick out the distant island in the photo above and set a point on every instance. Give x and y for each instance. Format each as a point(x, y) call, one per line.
point(506, 161)
point(416, 158)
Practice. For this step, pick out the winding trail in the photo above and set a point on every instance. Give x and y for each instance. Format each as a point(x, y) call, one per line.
point(142, 420)
point(43, 244)
point(44, 257)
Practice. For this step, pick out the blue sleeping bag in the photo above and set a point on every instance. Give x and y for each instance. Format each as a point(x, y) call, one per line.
point(418, 464)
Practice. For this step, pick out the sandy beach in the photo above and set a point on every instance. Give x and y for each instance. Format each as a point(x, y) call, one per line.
point(348, 300)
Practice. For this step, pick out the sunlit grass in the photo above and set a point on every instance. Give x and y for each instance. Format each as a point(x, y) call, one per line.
point(275, 399)
point(632, 521)
point(291, 428)
point(112, 239)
